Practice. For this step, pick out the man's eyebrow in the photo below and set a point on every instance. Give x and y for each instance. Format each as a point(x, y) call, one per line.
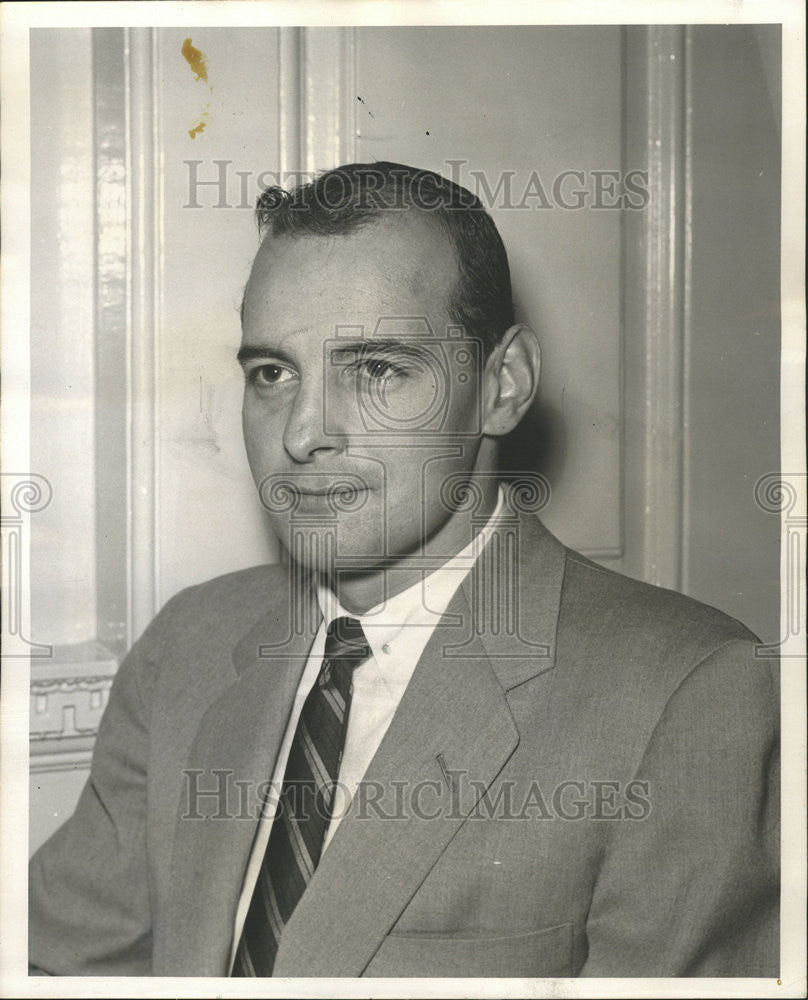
point(249, 352)
point(412, 347)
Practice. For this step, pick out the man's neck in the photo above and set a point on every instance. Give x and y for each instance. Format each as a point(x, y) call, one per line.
point(358, 591)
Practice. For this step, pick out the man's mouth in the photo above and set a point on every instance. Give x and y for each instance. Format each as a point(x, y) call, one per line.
point(337, 500)
point(338, 493)
point(330, 491)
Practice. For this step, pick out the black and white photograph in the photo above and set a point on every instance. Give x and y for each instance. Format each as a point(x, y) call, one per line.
point(404, 500)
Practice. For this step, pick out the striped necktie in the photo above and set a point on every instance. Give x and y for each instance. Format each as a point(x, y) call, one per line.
point(306, 800)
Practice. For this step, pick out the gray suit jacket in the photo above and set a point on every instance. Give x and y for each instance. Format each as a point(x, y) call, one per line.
point(580, 780)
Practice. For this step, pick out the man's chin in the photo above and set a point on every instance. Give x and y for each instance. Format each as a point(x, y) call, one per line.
point(331, 553)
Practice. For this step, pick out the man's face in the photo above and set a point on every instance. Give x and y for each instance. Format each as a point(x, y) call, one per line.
point(360, 400)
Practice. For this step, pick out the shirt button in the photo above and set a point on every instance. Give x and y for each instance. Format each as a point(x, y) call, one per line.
point(386, 647)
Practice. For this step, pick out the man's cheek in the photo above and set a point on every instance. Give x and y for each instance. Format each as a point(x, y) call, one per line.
point(465, 412)
point(263, 443)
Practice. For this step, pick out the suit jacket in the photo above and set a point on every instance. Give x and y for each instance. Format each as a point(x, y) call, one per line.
point(580, 780)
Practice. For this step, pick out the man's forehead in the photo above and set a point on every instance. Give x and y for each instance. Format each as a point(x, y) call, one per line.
point(409, 254)
point(382, 282)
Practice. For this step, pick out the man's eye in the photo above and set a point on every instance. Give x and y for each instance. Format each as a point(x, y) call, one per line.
point(380, 368)
point(375, 369)
point(266, 375)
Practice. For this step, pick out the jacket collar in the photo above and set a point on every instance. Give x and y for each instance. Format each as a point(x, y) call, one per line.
point(514, 594)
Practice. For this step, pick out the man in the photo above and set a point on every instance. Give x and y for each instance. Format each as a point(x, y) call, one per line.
point(435, 742)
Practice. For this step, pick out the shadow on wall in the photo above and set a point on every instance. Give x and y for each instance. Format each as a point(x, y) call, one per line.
point(538, 444)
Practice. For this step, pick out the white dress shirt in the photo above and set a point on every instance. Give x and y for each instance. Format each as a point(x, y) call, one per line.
point(397, 632)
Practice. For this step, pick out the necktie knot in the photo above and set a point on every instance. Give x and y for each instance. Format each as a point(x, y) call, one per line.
point(345, 648)
point(345, 639)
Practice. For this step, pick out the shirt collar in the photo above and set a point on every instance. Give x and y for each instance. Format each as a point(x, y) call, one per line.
point(421, 606)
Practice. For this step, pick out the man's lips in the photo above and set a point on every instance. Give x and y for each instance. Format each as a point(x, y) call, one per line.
point(331, 491)
point(345, 493)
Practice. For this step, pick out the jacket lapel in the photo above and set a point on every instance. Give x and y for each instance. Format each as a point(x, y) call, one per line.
point(237, 741)
point(450, 737)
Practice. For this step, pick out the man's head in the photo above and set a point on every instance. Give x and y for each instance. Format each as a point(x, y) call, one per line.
point(380, 353)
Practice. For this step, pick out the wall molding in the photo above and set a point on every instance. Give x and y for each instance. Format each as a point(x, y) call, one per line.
point(317, 120)
point(69, 689)
point(128, 217)
point(53, 756)
point(657, 282)
point(143, 274)
point(111, 298)
point(68, 695)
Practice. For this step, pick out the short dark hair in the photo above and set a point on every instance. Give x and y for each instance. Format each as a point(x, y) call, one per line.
point(341, 200)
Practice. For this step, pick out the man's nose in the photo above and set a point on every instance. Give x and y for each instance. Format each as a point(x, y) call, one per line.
point(304, 436)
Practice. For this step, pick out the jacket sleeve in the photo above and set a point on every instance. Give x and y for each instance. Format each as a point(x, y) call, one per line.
point(88, 898)
point(692, 889)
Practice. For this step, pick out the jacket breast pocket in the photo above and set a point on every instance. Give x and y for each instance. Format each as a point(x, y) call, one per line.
point(539, 954)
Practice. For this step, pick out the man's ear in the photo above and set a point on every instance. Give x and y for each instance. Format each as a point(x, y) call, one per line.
point(511, 379)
